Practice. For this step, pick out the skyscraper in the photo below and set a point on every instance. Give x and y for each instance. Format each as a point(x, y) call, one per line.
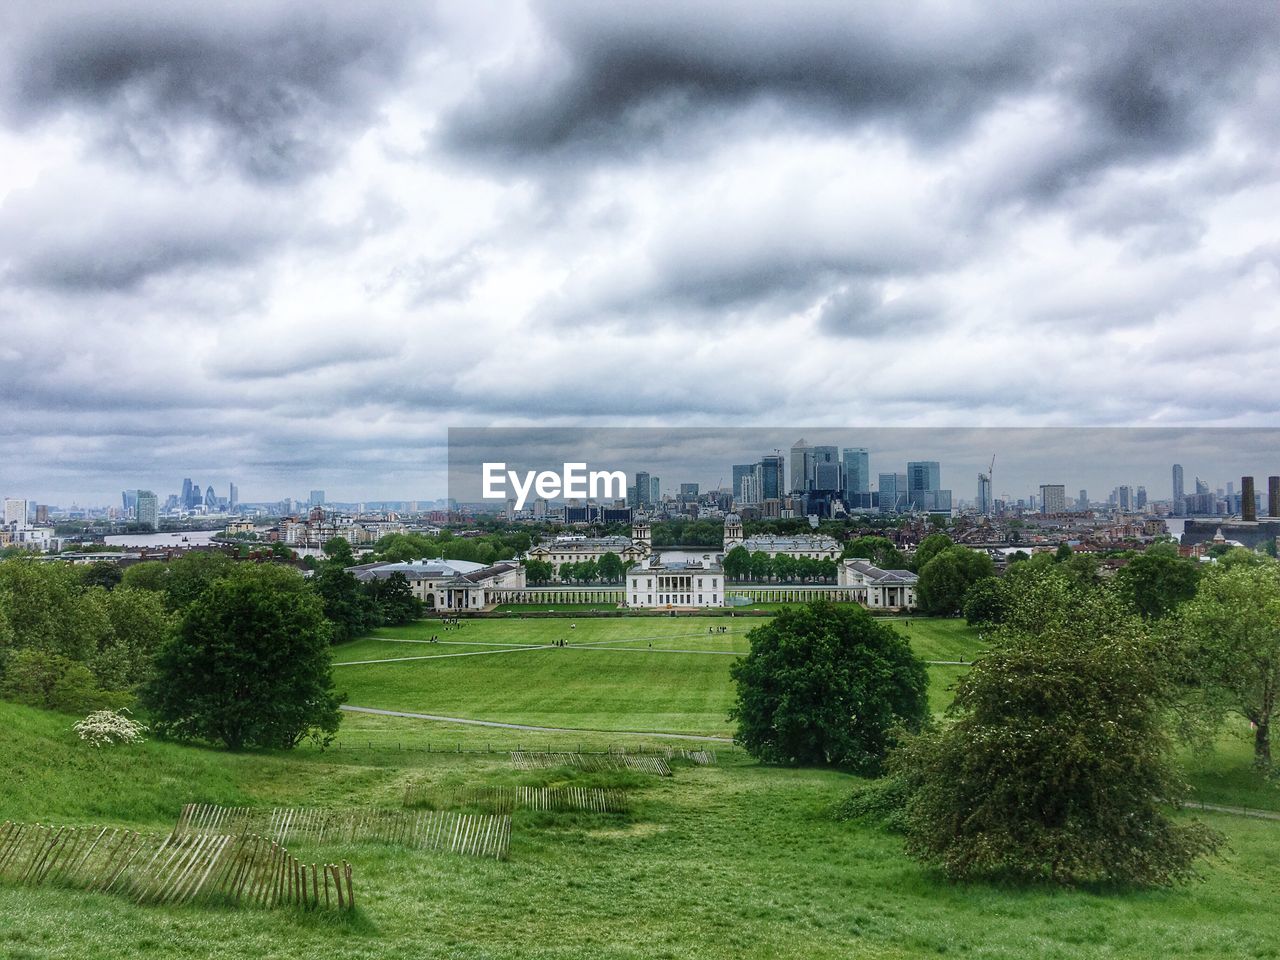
point(1124, 498)
point(923, 476)
point(893, 492)
point(210, 498)
point(801, 466)
point(1178, 490)
point(825, 469)
point(15, 513)
point(772, 476)
point(129, 500)
point(148, 510)
point(1053, 498)
point(643, 489)
point(741, 470)
point(233, 496)
point(857, 472)
point(655, 490)
point(186, 499)
point(984, 494)
point(316, 499)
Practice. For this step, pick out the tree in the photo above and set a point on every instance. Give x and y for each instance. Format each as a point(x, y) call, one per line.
point(1054, 763)
point(827, 684)
point(338, 550)
point(737, 563)
point(538, 571)
point(1231, 632)
point(610, 565)
point(347, 604)
point(102, 574)
point(761, 566)
point(190, 575)
point(784, 567)
point(985, 603)
point(879, 550)
point(1064, 552)
point(250, 665)
point(1157, 581)
point(39, 678)
point(393, 600)
point(147, 575)
point(929, 548)
point(947, 577)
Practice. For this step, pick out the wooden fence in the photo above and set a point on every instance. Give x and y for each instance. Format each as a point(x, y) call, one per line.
point(188, 868)
point(477, 835)
point(505, 799)
point(645, 763)
point(703, 758)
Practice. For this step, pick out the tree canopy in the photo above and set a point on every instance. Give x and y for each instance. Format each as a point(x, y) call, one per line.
point(827, 684)
point(1054, 763)
point(250, 665)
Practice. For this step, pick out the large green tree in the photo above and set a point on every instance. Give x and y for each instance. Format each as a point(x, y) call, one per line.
point(250, 665)
point(929, 548)
point(827, 684)
point(947, 577)
point(737, 563)
point(1055, 762)
point(1156, 581)
point(1231, 633)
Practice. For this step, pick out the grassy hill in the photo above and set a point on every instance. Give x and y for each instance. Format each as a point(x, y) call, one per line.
point(737, 860)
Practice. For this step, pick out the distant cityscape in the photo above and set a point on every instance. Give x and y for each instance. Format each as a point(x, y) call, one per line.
point(818, 482)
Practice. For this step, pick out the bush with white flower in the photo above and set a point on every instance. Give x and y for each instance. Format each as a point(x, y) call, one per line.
point(110, 727)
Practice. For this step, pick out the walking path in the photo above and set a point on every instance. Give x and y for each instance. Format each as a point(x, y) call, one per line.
point(531, 728)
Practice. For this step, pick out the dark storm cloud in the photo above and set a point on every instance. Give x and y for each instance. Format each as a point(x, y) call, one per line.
point(615, 78)
point(278, 85)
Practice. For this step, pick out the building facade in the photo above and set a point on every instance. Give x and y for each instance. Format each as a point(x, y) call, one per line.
point(878, 589)
point(449, 585)
point(658, 585)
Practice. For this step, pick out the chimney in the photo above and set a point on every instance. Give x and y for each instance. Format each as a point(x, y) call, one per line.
point(1273, 496)
point(1248, 502)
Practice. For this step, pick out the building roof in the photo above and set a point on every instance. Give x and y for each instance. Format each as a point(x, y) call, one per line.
point(878, 576)
point(460, 571)
point(799, 541)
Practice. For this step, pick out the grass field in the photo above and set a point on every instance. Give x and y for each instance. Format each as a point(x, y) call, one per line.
point(736, 860)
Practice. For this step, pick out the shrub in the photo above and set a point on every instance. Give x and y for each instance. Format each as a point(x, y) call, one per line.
point(109, 727)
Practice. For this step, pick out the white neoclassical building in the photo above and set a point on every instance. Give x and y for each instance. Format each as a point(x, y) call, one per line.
point(816, 546)
point(571, 549)
point(449, 584)
point(658, 585)
point(878, 589)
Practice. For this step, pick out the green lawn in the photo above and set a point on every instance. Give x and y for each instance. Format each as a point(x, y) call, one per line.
point(659, 674)
point(736, 860)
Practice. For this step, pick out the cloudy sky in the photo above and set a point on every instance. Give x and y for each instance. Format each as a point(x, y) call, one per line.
point(290, 243)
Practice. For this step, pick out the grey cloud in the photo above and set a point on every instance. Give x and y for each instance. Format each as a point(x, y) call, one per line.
point(859, 309)
point(278, 85)
point(617, 79)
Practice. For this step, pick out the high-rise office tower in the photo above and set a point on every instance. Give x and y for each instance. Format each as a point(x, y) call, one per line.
point(316, 499)
point(210, 498)
point(923, 476)
point(825, 470)
point(1124, 498)
point(1273, 496)
point(857, 472)
point(186, 498)
point(148, 510)
point(772, 476)
point(1178, 490)
point(893, 492)
point(233, 496)
point(801, 466)
point(740, 471)
point(643, 489)
point(655, 491)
